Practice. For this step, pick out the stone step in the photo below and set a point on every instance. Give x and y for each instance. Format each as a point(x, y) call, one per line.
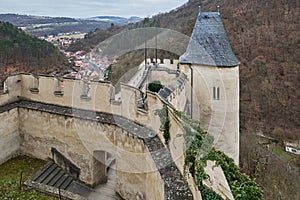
point(56, 178)
point(67, 183)
point(52, 175)
point(39, 173)
point(46, 173)
point(61, 181)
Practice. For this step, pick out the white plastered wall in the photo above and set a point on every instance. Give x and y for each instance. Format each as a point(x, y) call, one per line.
point(220, 116)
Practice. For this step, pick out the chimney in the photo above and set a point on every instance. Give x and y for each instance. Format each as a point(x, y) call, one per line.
point(218, 9)
point(199, 9)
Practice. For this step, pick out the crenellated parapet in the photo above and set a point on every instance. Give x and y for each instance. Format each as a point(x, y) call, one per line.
point(95, 96)
point(132, 103)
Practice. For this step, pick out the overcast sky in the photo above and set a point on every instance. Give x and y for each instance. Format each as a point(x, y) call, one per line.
point(89, 8)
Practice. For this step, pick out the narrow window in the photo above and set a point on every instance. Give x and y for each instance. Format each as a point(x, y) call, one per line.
point(216, 93)
point(5, 88)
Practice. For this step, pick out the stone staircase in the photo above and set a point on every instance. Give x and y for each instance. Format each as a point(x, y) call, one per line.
point(53, 179)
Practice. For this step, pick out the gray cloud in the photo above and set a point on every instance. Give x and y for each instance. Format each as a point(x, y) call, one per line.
point(88, 8)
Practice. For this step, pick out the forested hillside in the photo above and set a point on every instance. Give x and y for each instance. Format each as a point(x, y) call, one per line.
point(92, 39)
point(20, 52)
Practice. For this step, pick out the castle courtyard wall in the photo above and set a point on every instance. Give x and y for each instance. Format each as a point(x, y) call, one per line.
point(77, 139)
point(164, 77)
point(177, 146)
point(9, 134)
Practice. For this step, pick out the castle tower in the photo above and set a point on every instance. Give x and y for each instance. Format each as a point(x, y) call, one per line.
point(213, 73)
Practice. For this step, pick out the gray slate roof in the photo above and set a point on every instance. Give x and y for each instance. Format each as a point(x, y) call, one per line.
point(209, 44)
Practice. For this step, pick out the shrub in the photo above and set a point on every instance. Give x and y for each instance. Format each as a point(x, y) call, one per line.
point(155, 86)
point(165, 122)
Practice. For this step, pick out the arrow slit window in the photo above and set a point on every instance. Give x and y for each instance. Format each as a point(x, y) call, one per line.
point(216, 93)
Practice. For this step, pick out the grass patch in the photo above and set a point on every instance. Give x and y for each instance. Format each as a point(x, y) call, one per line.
point(10, 179)
point(282, 154)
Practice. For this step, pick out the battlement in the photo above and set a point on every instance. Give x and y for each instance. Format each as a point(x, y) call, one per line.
point(96, 96)
point(170, 62)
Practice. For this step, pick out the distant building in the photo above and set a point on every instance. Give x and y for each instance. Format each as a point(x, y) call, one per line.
point(292, 147)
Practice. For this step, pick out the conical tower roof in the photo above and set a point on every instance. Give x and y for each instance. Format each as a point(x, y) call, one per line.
point(209, 44)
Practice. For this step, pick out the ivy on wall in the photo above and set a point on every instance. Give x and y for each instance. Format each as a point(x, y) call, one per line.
point(165, 122)
point(200, 149)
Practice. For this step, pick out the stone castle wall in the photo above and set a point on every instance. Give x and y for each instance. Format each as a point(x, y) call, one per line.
point(77, 139)
point(101, 97)
point(163, 76)
point(35, 132)
point(14, 85)
point(9, 134)
point(40, 131)
point(218, 115)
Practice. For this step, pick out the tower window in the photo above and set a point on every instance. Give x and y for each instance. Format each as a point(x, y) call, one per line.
point(5, 88)
point(216, 93)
